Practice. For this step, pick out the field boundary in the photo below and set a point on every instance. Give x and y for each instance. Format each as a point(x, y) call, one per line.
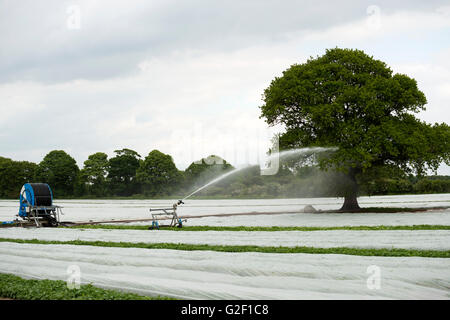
point(265, 229)
point(253, 213)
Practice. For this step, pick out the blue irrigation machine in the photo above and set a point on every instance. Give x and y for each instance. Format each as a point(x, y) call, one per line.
point(36, 205)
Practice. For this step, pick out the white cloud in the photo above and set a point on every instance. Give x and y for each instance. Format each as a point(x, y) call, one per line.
point(146, 110)
point(377, 24)
point(104, 88)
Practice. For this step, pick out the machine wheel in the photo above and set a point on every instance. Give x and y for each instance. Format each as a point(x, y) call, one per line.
point(51, 222)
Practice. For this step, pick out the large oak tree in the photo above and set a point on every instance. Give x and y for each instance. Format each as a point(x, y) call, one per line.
point(349, 100)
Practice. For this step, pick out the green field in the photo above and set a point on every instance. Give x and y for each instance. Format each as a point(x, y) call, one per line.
point(264, 249)
point(14, 287)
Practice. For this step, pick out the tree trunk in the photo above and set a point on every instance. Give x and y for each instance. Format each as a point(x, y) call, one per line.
point(351, 193)
point(350, 203)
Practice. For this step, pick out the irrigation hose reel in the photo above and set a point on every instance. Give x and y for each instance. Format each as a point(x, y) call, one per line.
point(36, 205)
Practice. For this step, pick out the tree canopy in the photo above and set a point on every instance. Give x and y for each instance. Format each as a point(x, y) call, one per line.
point(122, 172)
point(60, 171)
point(158, 174)
point(349, 100)
point(304, 181)
point(94, 173)
point(206, 168)
point(13, 174)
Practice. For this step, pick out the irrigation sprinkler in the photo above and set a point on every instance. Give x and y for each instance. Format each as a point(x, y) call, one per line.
point(164, 213)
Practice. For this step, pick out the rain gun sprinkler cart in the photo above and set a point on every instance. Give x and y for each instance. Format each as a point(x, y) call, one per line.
point(36, 205)
point(167, 214)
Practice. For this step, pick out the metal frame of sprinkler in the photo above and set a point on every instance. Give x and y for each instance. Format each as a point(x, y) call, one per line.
point(175, 221)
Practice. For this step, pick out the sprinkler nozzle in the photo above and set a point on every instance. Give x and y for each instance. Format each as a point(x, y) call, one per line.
point(180, 202)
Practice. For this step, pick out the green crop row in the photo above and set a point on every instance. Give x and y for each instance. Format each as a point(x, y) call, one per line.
point(386, 252)
point(15, 287)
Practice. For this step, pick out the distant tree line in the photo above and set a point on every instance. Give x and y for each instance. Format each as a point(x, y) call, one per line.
point(127, 174)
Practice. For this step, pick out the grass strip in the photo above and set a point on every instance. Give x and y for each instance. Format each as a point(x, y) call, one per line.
point(15, 287)
point(387, 209)
point(273, 228)
point(384, 252)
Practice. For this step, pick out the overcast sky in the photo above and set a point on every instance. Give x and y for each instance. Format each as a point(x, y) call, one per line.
point(186, 77)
